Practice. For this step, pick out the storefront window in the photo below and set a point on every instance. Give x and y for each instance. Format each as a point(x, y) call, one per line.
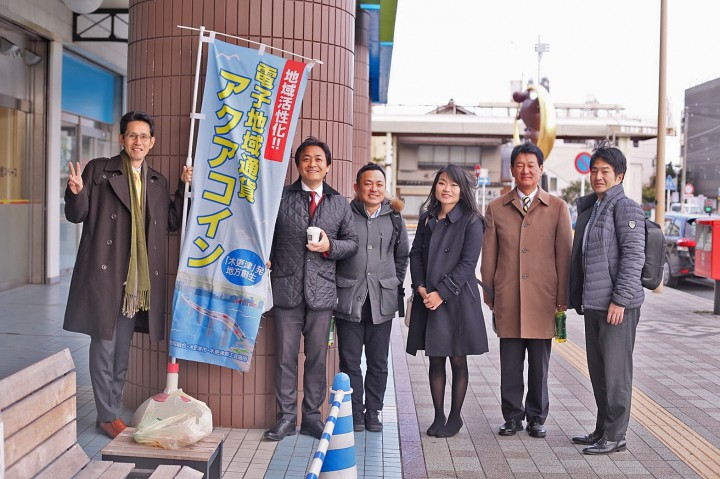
point(94, 143)
point(14, 196)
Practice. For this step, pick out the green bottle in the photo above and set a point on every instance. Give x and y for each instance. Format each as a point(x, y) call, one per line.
point(331, 336)
point(560, 330)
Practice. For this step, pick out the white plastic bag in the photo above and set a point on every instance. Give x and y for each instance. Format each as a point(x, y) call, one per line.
point(174, 421)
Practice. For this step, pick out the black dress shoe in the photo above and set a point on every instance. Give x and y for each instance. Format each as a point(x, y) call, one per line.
point(511, 427)
point(312, 428)
point(450, 428)
point(437, 424)
point(588, 440)
point(372, 420)
point(281, 429)
point(358, 421)
point(536, 429)
point(603, 446)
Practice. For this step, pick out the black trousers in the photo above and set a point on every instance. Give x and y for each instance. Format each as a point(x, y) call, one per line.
point(512, 386)
point(376, 339)
point(610, 363)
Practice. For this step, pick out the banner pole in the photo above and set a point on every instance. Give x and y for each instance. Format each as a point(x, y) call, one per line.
point(189, 160)
point(193, 118)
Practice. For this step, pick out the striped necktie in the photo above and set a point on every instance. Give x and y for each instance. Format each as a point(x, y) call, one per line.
point(526, 203)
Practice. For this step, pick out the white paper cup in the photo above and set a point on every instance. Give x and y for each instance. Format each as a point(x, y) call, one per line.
point(313, 234)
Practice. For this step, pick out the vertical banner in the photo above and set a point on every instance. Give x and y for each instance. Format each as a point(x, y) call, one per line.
point(250, 105)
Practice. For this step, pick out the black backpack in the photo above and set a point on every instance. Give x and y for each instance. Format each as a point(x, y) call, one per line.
point(652, 272)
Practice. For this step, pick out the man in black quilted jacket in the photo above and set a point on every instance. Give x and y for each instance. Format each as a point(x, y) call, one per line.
point(303, 283)
point(605, 286)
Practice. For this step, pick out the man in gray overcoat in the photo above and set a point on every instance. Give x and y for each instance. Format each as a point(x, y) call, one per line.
point(367, 286)
point(120, 277)
point(526, 261)
point(607, 259)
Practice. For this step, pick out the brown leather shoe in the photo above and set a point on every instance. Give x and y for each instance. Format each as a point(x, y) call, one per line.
point(119, 425)
point(112, 428)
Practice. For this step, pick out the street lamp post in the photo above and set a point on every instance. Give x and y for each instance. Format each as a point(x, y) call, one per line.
point(540, 48)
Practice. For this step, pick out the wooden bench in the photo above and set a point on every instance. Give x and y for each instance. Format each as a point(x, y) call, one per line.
point(38, 428)
point(176, 472)
point(205, 455)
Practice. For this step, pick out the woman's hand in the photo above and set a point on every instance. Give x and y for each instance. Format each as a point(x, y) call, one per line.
point(433, 301)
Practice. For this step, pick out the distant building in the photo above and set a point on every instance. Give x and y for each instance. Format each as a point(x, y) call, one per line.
point(702, 114)
point(415, 141)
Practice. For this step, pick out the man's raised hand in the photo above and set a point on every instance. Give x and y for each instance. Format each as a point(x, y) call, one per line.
point(75, 182)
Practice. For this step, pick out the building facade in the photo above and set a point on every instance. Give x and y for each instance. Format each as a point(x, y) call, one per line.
point(416, 143)
point(65, 81)
point(702, 140)
point(49, 116)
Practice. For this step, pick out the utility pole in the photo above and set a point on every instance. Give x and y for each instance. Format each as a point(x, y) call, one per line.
point(661, 127)
point(683, 173)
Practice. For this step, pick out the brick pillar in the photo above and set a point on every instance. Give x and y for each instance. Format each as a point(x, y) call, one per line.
point(362, 108)
point(161, 63)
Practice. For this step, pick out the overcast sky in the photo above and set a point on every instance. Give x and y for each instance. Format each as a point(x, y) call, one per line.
point(470, 50)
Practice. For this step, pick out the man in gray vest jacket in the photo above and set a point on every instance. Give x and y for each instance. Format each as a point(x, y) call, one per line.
point(367, 286)
point(303, 285)
point(607, 260)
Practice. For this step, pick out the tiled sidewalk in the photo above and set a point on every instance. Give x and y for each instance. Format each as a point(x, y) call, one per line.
point(377, 455)
point(677, 372)
point(31, 329)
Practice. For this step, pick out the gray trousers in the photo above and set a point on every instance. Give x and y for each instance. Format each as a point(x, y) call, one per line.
point(290, 323)
point(610, 363)
point(108, 368)
point(512, 387)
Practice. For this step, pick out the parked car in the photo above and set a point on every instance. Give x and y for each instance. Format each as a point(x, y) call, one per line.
point(680, 242)
point(687, 208)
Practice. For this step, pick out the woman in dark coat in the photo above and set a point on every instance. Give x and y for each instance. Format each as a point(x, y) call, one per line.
point(446, 319)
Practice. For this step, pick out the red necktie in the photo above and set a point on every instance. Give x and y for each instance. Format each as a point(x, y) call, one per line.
point(313, 205)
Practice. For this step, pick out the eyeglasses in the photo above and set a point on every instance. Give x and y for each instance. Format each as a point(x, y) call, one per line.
point(134, 136)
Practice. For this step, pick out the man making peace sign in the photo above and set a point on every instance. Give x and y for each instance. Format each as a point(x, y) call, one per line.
point(119, 281)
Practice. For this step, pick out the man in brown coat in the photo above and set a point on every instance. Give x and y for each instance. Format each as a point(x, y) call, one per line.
point(119, 281)
point(526, 261)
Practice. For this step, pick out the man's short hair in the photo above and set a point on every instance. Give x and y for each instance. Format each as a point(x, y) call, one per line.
point(136, 116)
point(527, 148)
point(612, 156)
point(369, 167)
point(312, 141)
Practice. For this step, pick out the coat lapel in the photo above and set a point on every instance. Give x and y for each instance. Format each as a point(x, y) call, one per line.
point(118, 180)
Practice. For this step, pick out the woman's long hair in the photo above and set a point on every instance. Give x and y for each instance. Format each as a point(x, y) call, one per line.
point(467, 191)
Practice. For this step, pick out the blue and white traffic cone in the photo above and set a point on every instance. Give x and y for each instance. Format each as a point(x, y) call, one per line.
point(335, 456)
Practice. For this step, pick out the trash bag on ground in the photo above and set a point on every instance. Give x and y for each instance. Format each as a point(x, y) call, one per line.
point(173, 421)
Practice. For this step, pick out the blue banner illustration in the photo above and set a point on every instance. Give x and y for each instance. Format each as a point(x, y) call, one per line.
point(250, 105)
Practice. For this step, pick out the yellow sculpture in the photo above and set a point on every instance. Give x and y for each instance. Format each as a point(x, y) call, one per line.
point(538, 113)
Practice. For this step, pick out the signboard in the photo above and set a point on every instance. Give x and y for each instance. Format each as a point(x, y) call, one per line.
point(582, 163)
point(482, 175)
point(250, 105)
point(670, 184)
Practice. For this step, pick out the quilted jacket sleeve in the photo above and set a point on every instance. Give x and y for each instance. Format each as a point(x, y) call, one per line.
point(630, 231)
